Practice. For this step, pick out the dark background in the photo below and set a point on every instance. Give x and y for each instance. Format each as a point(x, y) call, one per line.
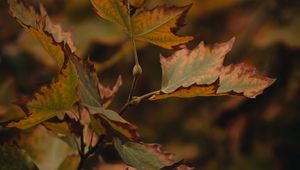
point(211, 133)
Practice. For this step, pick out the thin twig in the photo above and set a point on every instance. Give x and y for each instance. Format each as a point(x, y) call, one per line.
point(91, 139)
point(90, 152)
point(132, 89)
point(137, 65)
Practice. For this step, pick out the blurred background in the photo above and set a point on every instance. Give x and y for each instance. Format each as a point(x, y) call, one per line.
point(211, 133)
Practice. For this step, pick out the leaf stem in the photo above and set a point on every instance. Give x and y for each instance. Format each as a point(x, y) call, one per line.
point(137, 70)
point(138, 99)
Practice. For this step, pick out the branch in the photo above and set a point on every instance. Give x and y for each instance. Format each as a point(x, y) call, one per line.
point(136, 100)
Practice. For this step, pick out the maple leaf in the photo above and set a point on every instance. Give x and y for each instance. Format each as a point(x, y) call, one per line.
point(157, 26)
point(200, 72)
point(90, 96)
point(114, 11)
point(51, 101)
point(51, 36)
point(146, 156)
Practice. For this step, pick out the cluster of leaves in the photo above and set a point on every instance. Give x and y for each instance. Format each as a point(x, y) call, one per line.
point(75, 106)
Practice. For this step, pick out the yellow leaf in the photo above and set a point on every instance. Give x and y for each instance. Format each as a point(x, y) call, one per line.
point(157, 26)
point(114, 11)
point(51, 101)
point(51, 36)
point(200, 72)
point(193, 91)
point(61, 128)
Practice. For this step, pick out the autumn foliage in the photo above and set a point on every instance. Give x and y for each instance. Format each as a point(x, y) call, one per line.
point(75, 106)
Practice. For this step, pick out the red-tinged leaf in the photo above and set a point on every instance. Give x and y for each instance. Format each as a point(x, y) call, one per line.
point(242, 79)
point(115, 122)
point(51, 101)
point(51, 36)
point(88, 82)
point(144, 156)
point(200, 72)
point(158, 25)
point(108, 94)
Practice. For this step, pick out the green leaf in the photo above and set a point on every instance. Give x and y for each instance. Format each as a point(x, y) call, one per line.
point(144, 156)
point(91, 97)
point(51, 36)
point(200, 72)
point(12, 158)
point(51, 101)
point(115, 121)
point(88, 83)
point(114, 11)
